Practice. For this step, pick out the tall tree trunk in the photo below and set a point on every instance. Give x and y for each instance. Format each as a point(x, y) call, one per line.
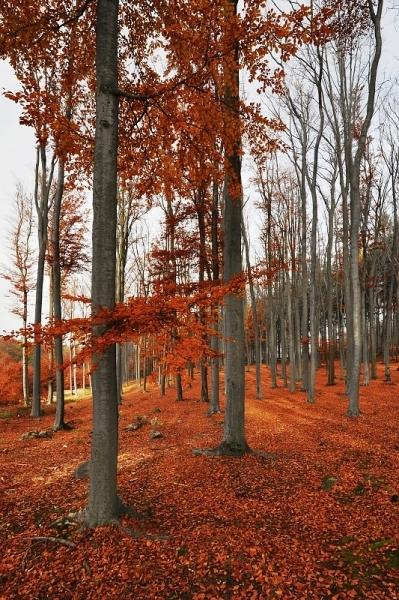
point(283, 340)
point(214, 401)
point(201, 208)
point(365, 340)
point(372, 324)
point(50, 378)
point(312, 182)
point(291, 343)
point(255, 318)
point(42, 208)
point(272, 339)
point(56, 276)
point(330, 295)
point(104, 505)
point(234, 441)
point(353, 388)
point(25, 373)
point(304, 270)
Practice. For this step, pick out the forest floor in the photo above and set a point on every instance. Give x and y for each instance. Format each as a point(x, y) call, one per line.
point(318, 519)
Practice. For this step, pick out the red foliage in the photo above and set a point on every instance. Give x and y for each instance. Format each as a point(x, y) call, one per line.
point(10, 379)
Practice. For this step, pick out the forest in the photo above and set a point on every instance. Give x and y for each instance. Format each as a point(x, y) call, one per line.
point(200, 399)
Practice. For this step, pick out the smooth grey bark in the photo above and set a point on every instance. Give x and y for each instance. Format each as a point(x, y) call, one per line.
point(330, 295)
point(255, 318)
point(297, 335)
point(214, 406)
point(126, 216)
point(353, 387)
point(104, 505)
point(300, 165)
point(199, 202)
point(20, 278)
point(272, 339)
point(42, 203)
point(365, 340)
point(50, 380)
point(283, 337)
point(233, 442)
point(59, 422)
point(392, 163)
point(291, 343)
point(312, 183)
point(340, 106)
point(372, 325)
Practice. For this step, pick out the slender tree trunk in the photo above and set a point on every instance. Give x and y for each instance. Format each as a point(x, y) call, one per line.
point(215, 366)
point(304, 270)
point(272, 339)
point(373, 337)
point(56, 276)
point(42, 209)
point(50, 379)
point(365, 343)
point(179, 387)
point(25, 372)
point(255, 318)
point(283, 341)
point(291, 344)
point(353, 388)
point(312, 182)
point(330, 296)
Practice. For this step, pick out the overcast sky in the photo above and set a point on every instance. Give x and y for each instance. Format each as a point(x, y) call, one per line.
point(17, 152)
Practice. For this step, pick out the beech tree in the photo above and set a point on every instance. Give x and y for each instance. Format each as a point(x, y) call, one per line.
point(20, 273)
point(104, 505)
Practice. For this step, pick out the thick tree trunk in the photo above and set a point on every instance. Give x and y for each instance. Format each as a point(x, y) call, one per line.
point(104, 506)
point(234, 441)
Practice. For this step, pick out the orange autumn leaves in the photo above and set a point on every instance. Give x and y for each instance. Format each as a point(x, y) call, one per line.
point(259, 527)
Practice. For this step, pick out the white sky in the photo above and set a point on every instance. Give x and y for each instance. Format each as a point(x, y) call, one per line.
point(17, 151)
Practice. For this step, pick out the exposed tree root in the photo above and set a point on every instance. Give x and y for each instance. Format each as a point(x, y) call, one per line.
point(226, 450)
point(223, 450)
point(63, 427)
point(213, 411)
point(353, 414)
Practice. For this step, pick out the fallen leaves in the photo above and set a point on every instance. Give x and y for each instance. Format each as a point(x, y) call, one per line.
point(252, 528)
